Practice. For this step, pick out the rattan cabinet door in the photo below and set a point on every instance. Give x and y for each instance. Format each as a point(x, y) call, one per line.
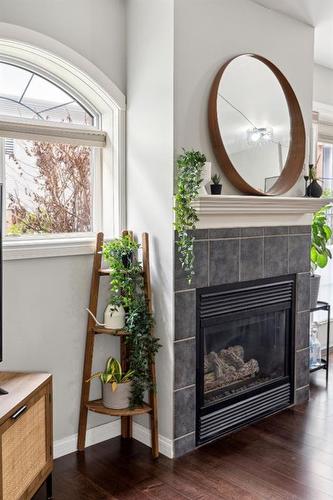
point(24, 447)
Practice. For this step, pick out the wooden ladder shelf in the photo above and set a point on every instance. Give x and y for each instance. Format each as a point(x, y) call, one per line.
point(93, 330)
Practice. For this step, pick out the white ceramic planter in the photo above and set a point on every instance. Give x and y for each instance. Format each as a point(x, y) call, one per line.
point(119, 399)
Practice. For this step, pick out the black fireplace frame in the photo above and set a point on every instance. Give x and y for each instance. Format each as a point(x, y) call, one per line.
point(202, 410)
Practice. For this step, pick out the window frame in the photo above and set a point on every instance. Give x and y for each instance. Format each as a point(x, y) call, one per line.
point(108, 106)
point(54, 240)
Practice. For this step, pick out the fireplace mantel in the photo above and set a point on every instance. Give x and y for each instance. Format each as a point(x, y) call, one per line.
point(249, 211)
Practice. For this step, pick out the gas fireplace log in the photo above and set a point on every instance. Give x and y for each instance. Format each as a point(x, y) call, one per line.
point(228, 367)
point(234, 356)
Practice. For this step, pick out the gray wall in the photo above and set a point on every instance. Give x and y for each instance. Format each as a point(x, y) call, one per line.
point(150, 166)
point(323, 84)
point(207, 33)
point(93, 28)
point(44, 329)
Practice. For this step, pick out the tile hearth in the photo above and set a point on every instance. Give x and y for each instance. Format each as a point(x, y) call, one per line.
point(231, 255)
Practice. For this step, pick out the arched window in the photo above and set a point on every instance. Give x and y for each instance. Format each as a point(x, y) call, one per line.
point(54, 154)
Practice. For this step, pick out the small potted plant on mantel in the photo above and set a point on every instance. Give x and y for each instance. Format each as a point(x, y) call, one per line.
point(116, 385)
point(216, 187)
point(321, 234)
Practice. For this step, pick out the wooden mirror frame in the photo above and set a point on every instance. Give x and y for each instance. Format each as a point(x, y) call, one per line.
point(296, 155)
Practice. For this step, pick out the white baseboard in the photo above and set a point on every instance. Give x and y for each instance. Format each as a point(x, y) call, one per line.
point(143, 435)
point(110, 430)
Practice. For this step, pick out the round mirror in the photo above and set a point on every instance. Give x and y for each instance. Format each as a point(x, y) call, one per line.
point(256, 126)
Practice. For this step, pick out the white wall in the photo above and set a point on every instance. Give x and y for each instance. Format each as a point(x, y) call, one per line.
point(150, 166)
point(323, 85)
point(93, 28)
point(44, 299)
point(207, 33)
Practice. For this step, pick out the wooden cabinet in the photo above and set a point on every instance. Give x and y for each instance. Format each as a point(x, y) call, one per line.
point(25, 434)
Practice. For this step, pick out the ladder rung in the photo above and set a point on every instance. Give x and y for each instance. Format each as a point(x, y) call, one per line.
point(107, 272)
point(104, 272)
point(118, 333)
point(98, 407)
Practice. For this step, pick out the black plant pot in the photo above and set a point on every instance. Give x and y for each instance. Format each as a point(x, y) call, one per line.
point(314, 190)
point(127, 259)
point(215, 188)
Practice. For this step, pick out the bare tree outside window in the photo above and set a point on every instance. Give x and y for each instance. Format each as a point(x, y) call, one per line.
point(48, 188)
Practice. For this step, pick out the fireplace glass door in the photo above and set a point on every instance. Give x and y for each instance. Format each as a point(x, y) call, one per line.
point(244, 351)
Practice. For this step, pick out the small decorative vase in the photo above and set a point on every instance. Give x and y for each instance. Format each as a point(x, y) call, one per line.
point(314, 290)
point(114, 317)
point(314, 189)
point(118, 399)
point(216, 188)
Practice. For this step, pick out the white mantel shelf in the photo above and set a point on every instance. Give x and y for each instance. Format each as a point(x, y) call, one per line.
point(246, 211)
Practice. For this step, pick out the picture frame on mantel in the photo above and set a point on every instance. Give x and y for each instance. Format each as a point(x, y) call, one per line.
point(206, 176)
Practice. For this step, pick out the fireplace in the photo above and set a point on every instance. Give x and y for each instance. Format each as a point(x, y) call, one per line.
point(245, 353)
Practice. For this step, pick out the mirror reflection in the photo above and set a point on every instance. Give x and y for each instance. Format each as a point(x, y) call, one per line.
point(254, 122)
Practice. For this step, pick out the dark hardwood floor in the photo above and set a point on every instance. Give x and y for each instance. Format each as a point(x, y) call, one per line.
point(287, 456)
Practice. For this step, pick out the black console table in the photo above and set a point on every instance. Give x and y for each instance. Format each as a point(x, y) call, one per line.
point(324, 365)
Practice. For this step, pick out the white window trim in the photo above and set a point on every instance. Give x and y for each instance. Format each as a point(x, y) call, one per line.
point(49, 132)
point(93, 86)
point(52, 247)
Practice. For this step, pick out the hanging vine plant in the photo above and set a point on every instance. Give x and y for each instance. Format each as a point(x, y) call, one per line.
point(127, 290)
point(189, 169)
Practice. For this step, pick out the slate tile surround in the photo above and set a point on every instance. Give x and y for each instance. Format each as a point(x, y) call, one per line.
point(229, 255)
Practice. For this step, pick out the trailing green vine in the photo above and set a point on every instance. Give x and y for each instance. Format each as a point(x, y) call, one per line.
point(127, 289)
point(189, 169)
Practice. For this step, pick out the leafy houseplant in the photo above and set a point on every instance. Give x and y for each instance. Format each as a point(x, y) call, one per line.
point(216, 187)
point(321, 234)
point(116, 384)
point(127, 290)
point(126, 272)
point(189, 169)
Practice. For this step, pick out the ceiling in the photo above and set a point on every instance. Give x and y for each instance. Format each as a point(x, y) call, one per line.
point(316, 13)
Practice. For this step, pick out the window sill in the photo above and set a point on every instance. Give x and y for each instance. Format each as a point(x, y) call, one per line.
point(51, 247)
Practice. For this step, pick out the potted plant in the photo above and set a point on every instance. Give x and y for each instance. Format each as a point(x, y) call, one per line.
point(321, 234)
point(216, 187)
point(116, 385)
point(189, 174)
